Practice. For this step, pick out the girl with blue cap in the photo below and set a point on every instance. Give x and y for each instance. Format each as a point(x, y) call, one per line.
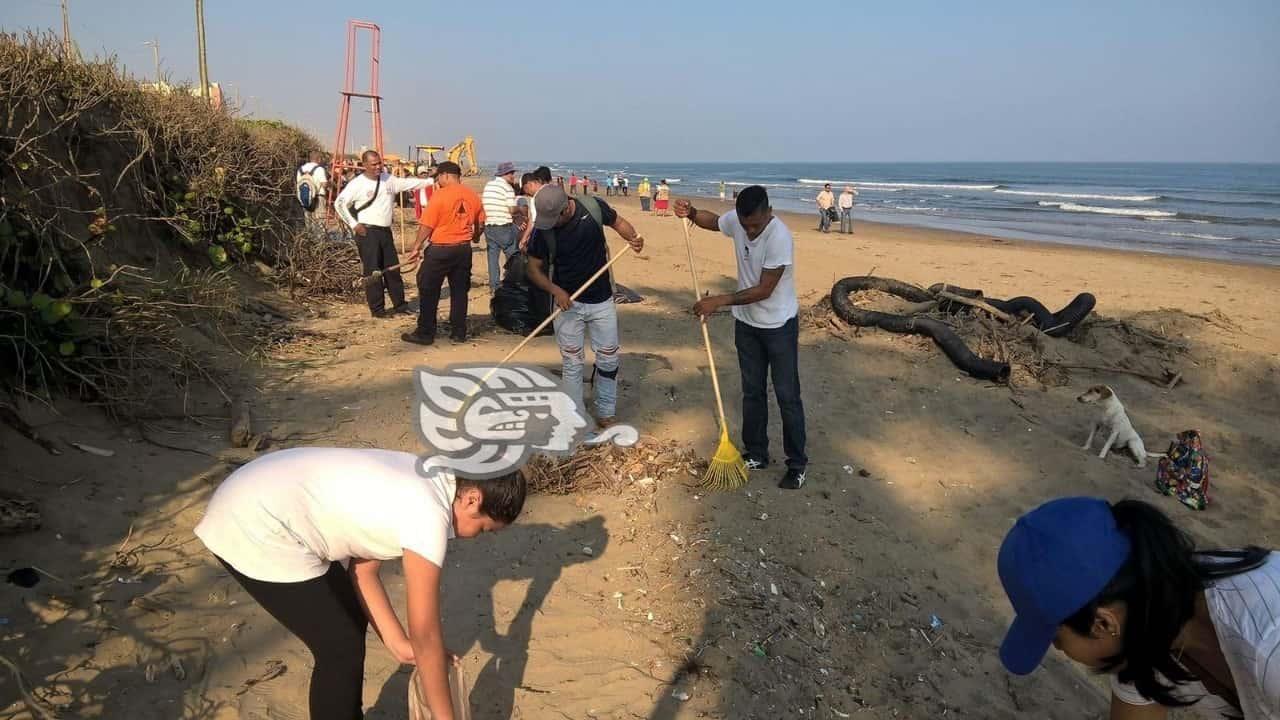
point(1121, 590)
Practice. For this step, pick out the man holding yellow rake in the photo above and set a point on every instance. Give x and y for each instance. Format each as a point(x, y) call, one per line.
point(766, 332)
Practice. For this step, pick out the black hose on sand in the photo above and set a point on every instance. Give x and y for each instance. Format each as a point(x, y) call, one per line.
point(943, 336)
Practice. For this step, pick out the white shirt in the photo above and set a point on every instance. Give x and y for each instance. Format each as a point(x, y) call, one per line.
point(1245, 610)
point(772, 249)
point(826, 199)
point(498, 199)
point(287, 515)
point(846, 199)
point(319, 175)
point(360, 188)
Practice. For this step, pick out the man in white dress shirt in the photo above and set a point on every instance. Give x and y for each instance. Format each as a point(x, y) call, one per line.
point(365, 205)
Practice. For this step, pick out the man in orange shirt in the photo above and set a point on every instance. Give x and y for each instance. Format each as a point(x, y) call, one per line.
point(452, 222)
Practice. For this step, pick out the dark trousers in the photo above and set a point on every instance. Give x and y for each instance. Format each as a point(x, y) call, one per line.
point(325, 614)
point(763, 352)
point(441, 262)
point(378, 252)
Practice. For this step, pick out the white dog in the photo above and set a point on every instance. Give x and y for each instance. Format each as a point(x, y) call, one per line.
point(1115, 422)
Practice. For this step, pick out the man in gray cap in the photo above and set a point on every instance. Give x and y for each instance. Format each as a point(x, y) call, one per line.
point(567, 248)
point(500, 234)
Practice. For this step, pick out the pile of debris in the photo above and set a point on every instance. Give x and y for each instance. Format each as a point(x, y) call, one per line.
point(1030, 347)
point(613, 468)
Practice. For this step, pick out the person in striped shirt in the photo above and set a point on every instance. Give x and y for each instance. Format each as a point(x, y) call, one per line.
point(1120, 589)
point(500, 237)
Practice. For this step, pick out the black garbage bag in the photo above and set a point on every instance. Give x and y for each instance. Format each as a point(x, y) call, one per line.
point(518, 306)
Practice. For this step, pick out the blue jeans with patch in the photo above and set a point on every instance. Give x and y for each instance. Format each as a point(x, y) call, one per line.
point(499, 239)
point(600, 322)
point(765, 352)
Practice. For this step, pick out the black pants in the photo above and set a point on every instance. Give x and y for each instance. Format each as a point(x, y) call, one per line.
point(377, 252)
point(763, 352)
point(325, 614)
point(440, 262)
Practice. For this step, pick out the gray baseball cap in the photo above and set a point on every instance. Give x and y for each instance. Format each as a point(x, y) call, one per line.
point(549, 202)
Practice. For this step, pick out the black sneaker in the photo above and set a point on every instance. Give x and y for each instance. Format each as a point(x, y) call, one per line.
point(457, 340)
point(401, 309)
point(381, 313)
point(793, 480)
point(417, 338)
point(754, 464)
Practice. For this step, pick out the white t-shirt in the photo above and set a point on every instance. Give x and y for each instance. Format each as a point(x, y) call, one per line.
point(318, 174)
point(846, 199)
point(772, 249)
point(1245, 610)
point(287, 515)
point(359, 190)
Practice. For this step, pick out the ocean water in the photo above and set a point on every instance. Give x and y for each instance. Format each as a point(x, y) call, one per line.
point(1224, 211)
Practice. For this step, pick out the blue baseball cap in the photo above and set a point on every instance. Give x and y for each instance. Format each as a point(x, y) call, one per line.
point(1054, 560)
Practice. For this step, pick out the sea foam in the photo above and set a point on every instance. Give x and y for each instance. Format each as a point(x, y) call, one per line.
point(1126, 212)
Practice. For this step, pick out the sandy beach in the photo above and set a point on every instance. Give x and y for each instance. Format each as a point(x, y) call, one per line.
point(656, 599)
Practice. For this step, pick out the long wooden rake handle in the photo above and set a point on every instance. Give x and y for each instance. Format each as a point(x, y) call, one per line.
point(377, 275)
point(541, 326)
point(706, 336)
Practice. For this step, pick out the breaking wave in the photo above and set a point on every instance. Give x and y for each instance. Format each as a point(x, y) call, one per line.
point(1126, 212)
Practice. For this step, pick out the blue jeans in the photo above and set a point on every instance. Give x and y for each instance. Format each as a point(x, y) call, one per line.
point(846, 220)
point(499, 239)
point(824, 222)
point(600, 321)
point(763, 352)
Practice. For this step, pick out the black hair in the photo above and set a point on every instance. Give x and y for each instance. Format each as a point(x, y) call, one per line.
point(365, 155)
point(448, 167)
point(543, 173)
point(1158, 585)
point(751, 200)
point(527, 178)
point(503, 496)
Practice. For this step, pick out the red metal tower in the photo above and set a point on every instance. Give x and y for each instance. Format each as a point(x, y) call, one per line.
point(340, 160)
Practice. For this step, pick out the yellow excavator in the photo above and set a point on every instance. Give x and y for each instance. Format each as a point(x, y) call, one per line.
point(467, 149)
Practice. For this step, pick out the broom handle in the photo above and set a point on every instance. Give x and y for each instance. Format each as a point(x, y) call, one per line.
point(553, 316)
point(706, 336)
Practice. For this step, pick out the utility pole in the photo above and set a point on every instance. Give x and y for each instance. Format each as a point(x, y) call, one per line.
point(66, 31)
point(203, 59)
point(155, 53)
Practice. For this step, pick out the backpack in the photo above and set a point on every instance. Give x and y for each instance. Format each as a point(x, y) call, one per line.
point(307, 190)
point(592, 206)
point(1184, 471)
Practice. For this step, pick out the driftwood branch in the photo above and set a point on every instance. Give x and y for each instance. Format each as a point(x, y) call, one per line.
point(1167, 380)
point(977, 303)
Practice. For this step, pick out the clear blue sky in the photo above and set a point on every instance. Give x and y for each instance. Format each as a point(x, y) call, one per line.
point(704, 80)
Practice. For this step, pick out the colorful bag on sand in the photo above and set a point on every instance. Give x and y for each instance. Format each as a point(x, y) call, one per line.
point(1184, 471)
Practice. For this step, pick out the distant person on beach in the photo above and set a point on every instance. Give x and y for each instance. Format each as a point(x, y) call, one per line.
point(609, 186)
point(500, 236)
point(662, 200)
point(1120, 589)
point(765, 329)
point(626, 187)
point(422, 196)
point(530, 184)
point(645, 191)
point(365, 205)
point(452, 223)
point(568, 247)
point(721, 190)
point(826, 200)
point(846, 209)
point(573, 183)
point(305, 531)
